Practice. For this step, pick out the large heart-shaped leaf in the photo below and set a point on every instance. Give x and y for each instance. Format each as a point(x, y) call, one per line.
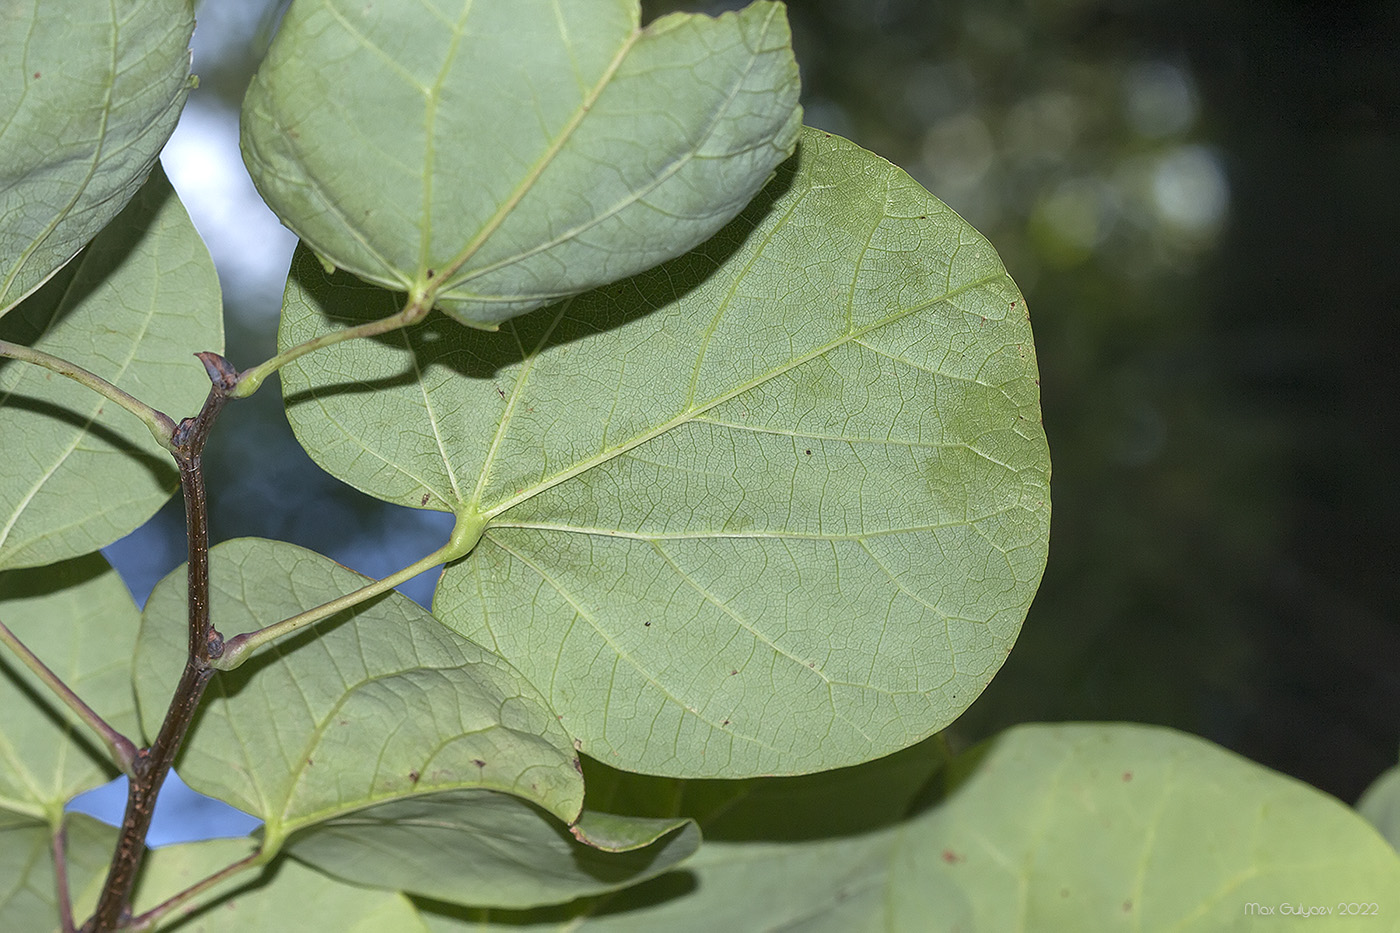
point(375, 705)
point(89, 94)
point(506, 153)
point(78, 472)
point(1048, 828)
point(79, 619)
point(777, 506)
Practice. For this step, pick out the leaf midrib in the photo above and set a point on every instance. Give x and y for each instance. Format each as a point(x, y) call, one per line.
point(96, 407)
point(67, 209)
point(630, 199)
point(695, 411)
point(494, 223)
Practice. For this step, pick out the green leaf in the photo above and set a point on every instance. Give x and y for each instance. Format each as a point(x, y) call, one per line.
point(821, 811)
point(90, 93)
point(1088, 826)
point(79, 472)
point(510, 152)
point(168, 870)
point(484, 849)
point(1381, 805)
point(374, 705)
point(28, 893)
point(283, 898)
point(1047, 828)
point(79, 619)
point(777, 506)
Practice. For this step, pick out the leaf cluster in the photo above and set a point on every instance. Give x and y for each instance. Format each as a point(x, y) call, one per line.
point(739, 428)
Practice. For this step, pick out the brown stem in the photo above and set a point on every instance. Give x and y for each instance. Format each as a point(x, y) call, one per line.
point(153, 764)
point(60, 875)
point(151, 917)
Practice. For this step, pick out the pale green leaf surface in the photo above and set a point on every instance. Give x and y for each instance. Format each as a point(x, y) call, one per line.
point(777, 506)
point(484, 849)
point(78, 471)
point(1093, 826)
point(1381, 805)
point(613, 832)
point(168, 870)
point(1049, 828)
point(515, 151)
point(28, 896)
point(90, 92)
point(370, 706)
point(78, 617)
point(285, 897)
point(829, 813)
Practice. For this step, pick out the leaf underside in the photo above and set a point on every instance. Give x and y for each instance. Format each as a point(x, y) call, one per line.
point(492, 850)
point(286, 898)
point(520, 150)
point(377, 704)
point(776, 506)
point(89, 95)
point(78, 471)
point(1045, 828)
point(78, 617)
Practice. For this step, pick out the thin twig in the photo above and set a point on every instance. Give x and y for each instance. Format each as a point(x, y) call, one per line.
point(60, 876)
point(240, 647)
point(148, 920)
point(153, 764)
point(413, 311)
point(158, 423)
point(121, 749)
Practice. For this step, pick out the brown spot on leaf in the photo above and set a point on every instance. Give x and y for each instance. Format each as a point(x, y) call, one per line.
point(951, 857)
point(1127, 776)
point(425, 499)
point(478, 762)
point(413, 777)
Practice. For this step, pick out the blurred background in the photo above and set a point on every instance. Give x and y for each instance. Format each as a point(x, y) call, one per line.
point(1201, 202)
